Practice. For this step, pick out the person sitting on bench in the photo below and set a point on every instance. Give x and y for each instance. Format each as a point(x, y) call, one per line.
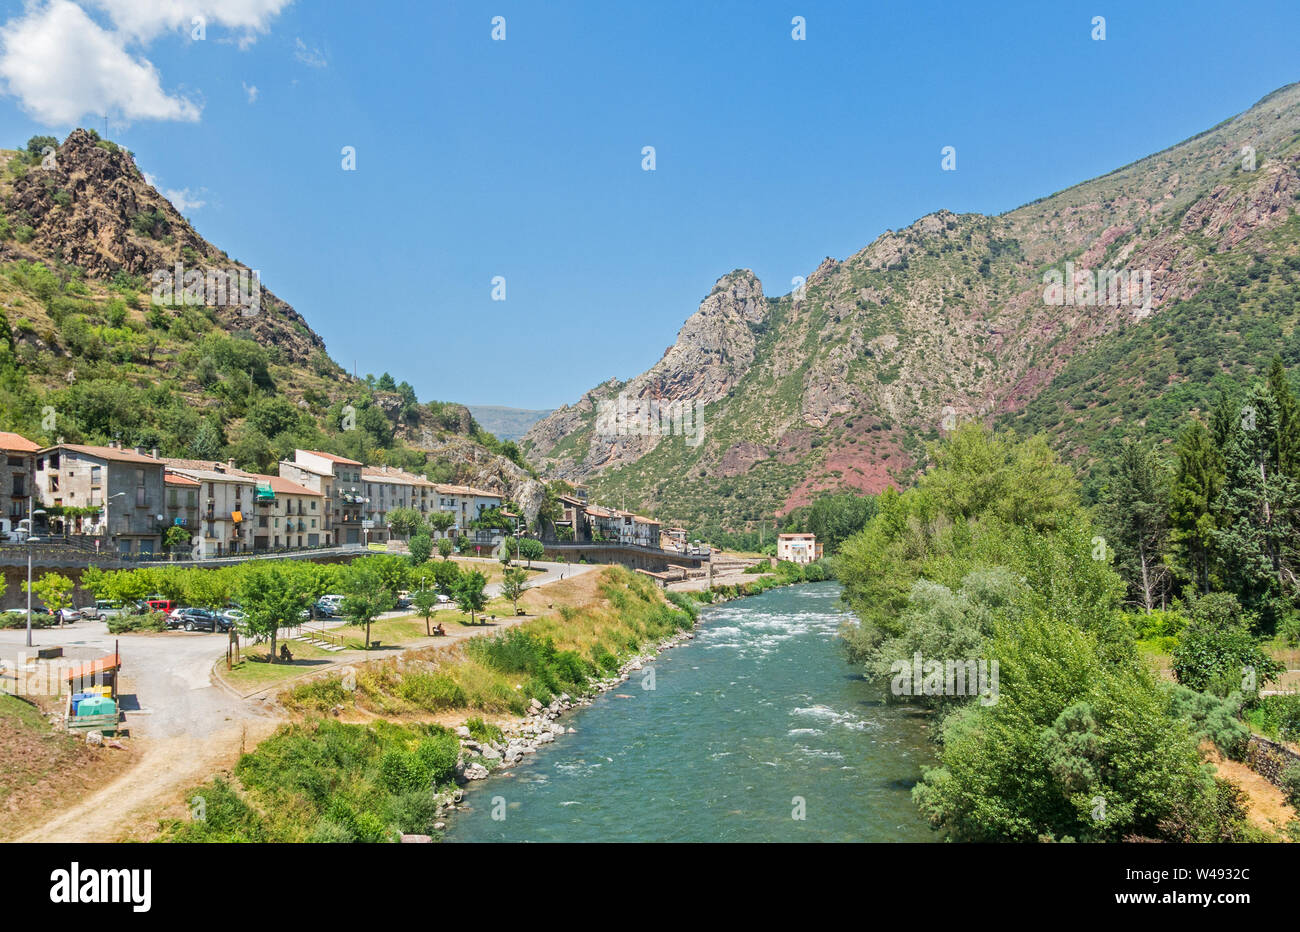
point(438, 631)
point(284, 653)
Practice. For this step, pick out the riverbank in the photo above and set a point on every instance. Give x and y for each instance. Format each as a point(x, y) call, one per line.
point(414, 704)
point(756, 729)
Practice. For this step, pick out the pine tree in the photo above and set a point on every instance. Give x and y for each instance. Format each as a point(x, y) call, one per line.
point(1197, 483)
point(1135, 516)
point(1286, 448)
point(1258, 506)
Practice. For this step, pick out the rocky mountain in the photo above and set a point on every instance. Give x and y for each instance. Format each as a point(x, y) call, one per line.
point(839, 384)
point(119, 321)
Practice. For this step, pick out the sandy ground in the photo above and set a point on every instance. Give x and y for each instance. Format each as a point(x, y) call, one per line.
point(1267, 806)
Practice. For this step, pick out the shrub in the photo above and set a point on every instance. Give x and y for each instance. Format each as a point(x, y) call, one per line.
point(484, 733)
point(431, 691)
point(1291, 785)
point(150, 621)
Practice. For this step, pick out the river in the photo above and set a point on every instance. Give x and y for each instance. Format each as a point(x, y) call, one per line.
point(756, 730)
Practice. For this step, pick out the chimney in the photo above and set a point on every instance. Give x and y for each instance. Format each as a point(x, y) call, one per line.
point(154, 452)
point(230, 465)
point(139, 451)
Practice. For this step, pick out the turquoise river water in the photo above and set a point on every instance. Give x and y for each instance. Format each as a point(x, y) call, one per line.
point(756, 721)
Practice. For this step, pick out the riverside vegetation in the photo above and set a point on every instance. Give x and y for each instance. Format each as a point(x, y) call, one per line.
point(320, 779)
point(993, 555)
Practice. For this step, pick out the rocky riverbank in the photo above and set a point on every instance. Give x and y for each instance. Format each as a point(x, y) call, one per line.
point(522, 737)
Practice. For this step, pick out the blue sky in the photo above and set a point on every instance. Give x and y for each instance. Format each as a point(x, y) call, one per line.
point(522, 158)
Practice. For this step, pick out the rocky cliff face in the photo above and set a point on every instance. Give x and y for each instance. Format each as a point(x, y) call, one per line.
point(840, 384)
point(84, 205)
point(89, 335)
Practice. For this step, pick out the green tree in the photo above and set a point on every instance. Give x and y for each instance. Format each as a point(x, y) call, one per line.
point(1135, 521)
point(445, 575)
point(366, 593)
point(404, 521)
point(1286, 444)
point(1259, 507)
point(514, 585)
point(421, 547)
point(469, 594)
point(1074, 747)
point(445, 547)
point(425, 602)
point(530, 548)
point(212, 589)
point(1198, 479)
point(93, 580)
point(440, 522)
point(53, 589)
point(272, 594)
point(1217, 653)
point(175, 538)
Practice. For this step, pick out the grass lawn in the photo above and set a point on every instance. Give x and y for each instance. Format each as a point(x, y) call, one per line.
point(253, 671)
point(494, 571)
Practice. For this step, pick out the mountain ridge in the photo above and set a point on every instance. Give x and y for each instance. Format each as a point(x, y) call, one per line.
point(940, 321)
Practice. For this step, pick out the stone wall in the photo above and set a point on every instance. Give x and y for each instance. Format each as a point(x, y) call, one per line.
point(1269, 759)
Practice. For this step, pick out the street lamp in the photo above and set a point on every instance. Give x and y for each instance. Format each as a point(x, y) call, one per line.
point(30, 522)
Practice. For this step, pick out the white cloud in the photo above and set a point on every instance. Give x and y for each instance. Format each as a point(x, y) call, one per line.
point(61, 65)
point(309, 56)
point(251, 91)
point(147, 19)
point(183, 199)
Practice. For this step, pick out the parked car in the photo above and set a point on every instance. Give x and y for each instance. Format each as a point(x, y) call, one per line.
point(68, 615)
point(233, 616)
point(326, 609)
point(166, 606)
point(197, 619)
point(106, 608)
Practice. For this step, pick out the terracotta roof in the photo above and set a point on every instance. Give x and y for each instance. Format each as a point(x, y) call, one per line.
point(795, 536)
point(642, 519)
point(466, 490)
point(215, 475)
point(102, 665)
point(284, 487)
point(173, 478)
point(10, 441)
point(335, 459)
point(106, 453)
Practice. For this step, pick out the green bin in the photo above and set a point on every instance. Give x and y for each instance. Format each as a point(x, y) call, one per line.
point(96, 706)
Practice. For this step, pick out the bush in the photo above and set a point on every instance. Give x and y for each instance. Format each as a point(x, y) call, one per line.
point(124, 624)
point(1217, 653)
point(484, 733)
point(1212, 719)
point(1291, 785)
point(431, 691)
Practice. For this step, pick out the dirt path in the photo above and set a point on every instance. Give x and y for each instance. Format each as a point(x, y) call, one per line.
point(129, 807)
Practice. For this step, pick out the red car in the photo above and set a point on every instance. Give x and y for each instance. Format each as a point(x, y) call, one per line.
point(166, 606)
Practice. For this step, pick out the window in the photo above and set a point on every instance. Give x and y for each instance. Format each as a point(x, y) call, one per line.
point(95, 475)
point(140, 499)
point(20, 486)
